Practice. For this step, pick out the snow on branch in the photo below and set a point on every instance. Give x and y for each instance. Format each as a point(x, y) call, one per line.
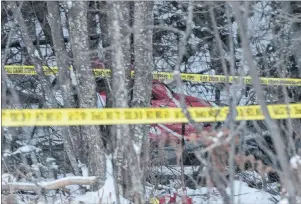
point(50, 185)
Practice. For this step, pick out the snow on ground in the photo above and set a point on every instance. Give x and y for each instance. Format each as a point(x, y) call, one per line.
point(295, 161)
point(104, 195)
point(173, 170)
point(242, 195)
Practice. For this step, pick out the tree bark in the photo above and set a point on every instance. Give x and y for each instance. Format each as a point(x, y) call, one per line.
point(40, 9)
point(93, 145)
point(33, 53)
point(143, 55)
point(64, 81)
point(105, 38)
point(117, 21)
point(93, 24)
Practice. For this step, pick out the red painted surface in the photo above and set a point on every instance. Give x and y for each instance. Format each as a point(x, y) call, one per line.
point(162, 96)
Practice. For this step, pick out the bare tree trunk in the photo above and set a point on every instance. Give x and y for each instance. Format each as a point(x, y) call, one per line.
point(29, 22)
point(104, 28)
point(143, 16)
point(105, 38)
point(216, 50)
point(39, 9)
point(93, 24)
point(33, 53)
point(117, 17)
point(64, 81)
point(126, 47)
point(86, 87)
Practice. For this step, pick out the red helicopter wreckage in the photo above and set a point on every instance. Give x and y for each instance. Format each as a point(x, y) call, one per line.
point(162, 96)
point(175, 133)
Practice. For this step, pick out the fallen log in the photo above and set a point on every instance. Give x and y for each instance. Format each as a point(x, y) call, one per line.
point(49, 185)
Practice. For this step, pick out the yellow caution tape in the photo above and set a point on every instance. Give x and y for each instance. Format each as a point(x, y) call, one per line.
point(113, 116)
point(154, 201)
point(29, 70)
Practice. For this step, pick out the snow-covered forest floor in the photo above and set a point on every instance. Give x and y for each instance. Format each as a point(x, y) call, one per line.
point(243, 194)
point(243, 161)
